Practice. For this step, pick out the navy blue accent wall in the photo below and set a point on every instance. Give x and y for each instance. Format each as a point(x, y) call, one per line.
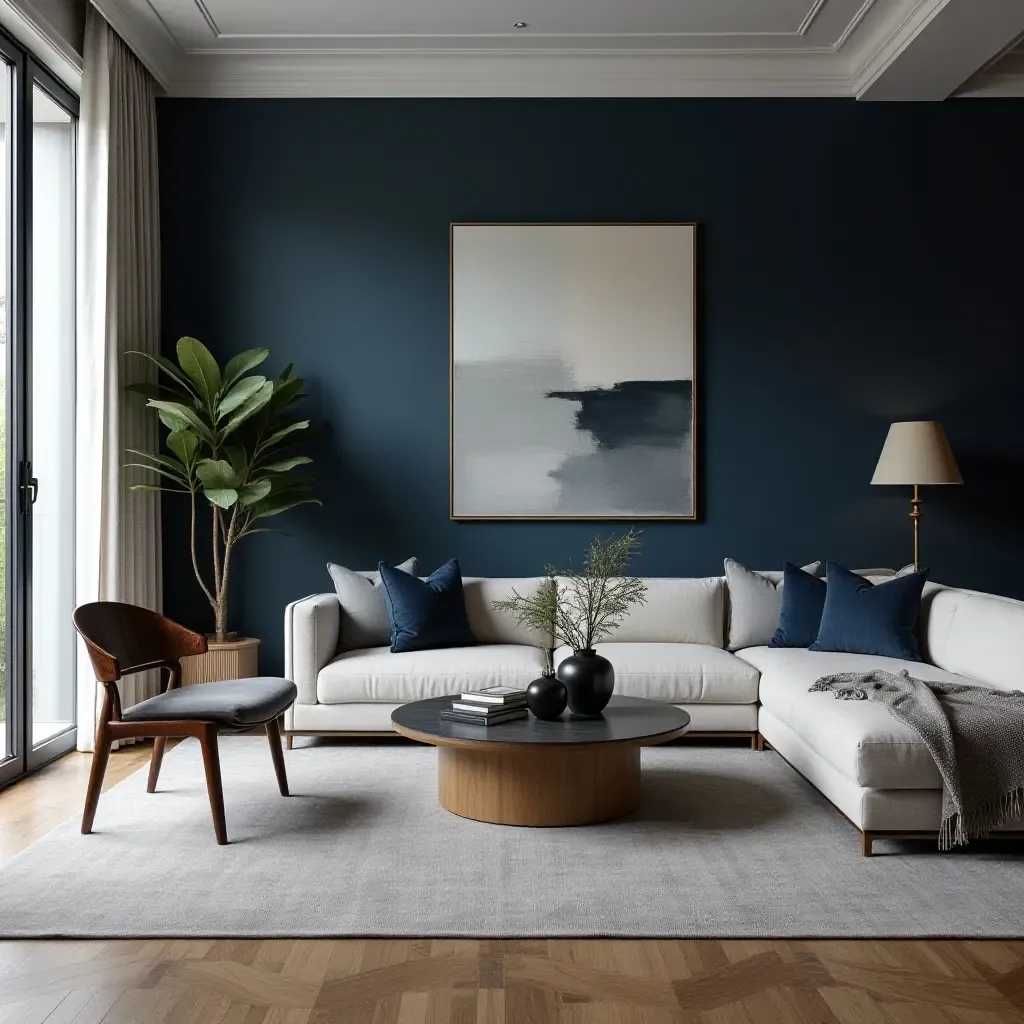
point(858, 263)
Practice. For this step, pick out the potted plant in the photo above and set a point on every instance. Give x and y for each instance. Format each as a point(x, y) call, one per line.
point(580, 609)
point(227, 448)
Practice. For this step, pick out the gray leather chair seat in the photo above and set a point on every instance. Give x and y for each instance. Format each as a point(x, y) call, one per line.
point(233, 704)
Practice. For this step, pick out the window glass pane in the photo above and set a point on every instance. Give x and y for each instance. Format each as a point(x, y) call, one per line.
point(5, 92)
point(52, 410)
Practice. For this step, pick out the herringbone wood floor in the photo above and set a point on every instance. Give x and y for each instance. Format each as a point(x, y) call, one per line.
point(472, 982)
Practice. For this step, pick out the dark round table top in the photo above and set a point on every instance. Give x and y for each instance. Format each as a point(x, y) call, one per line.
point(625, 720)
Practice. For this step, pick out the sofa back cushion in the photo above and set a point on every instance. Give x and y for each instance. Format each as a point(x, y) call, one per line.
point(976, 635)
point(679, 611)
point(492, 627)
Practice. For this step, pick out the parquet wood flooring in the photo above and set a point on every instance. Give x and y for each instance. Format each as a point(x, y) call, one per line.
point(284, 981)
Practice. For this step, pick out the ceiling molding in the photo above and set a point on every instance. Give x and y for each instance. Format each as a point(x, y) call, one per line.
point(147, 37)
point(502, 74)
point(22, 19)
point(875, 38)
point(894, 39)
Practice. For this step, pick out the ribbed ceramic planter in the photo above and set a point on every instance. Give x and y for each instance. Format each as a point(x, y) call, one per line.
point(232, 659)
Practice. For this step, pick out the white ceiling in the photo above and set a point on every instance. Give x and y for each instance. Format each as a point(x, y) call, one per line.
point(569, 47)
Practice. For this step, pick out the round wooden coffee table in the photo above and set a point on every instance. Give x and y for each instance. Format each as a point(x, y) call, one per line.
point(574, 771)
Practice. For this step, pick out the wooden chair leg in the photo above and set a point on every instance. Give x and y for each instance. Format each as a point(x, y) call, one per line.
point(154, 763)
point(274, 735)
point(99, 767)
point(211, 761)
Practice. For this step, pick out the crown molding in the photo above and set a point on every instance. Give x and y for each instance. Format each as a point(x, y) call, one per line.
point(147, 37)
point(35, 33)
point(503, 74)
point(878, 53)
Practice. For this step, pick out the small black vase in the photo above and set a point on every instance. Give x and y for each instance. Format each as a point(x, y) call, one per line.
point(546, 697)
point(590, 679)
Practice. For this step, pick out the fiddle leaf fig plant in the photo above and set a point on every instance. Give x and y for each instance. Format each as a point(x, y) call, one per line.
point(230, 436)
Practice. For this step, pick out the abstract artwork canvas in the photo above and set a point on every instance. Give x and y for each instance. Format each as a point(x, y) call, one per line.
point(572, 371)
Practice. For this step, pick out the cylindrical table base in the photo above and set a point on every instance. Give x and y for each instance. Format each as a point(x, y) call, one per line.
point(548, 786)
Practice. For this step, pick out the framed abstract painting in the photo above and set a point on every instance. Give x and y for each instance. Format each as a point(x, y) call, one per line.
point(573, 371)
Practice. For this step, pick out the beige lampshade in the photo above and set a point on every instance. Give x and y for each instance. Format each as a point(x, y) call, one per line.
point(916, 452)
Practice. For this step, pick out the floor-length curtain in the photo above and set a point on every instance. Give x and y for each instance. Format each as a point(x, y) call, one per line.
point(118, 530)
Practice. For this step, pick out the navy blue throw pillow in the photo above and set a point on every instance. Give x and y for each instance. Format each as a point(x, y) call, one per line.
point(862, 618)
point(803, 598)
point(426, 614)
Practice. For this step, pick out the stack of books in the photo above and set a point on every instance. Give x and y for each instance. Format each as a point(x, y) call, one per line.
point(489, 706)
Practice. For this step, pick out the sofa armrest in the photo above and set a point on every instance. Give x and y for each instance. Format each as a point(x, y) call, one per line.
point(310, 640)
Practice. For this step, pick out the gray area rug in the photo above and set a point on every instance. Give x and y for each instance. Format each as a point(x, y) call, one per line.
point(728, 843)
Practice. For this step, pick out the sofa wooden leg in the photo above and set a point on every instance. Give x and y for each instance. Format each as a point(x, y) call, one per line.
point(288, 741)
point(866, 839)
point(758, 742)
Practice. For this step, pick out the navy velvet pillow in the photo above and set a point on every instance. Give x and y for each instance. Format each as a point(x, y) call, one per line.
point(861, 618)
point(426, 614)
point(803, 598)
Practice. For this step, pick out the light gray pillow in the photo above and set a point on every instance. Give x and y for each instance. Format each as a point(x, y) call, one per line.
point(755, 603)
point(364, 611)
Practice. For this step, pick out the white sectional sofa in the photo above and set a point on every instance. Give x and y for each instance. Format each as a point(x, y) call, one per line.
point(875, 770)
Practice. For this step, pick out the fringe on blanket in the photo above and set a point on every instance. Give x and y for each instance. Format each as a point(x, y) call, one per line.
point(955, 831)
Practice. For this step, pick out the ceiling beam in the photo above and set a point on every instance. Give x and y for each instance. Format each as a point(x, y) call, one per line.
point(938, 48)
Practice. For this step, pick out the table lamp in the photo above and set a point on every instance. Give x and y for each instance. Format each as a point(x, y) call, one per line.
point(916, 452)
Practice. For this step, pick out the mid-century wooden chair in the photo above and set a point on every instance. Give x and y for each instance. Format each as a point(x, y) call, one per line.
point(123, 639)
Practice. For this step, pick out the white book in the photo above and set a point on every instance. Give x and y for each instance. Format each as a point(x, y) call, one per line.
point(485, 710)
point(495, 695)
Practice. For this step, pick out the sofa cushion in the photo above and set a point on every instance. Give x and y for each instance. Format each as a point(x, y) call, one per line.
point(754, 601)
point(861, 617)
point(976, 635)
point(800, 614)
point(681, 611)
point(858, 738)
point(428, 614)
point(364, 611)
point(678, 673)
point(493, 627)
point(375, 674)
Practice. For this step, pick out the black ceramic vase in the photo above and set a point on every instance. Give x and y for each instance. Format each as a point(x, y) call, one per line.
point(589, 679)
point(546, 697)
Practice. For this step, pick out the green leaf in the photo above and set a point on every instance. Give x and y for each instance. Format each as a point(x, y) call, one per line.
point(256, 491)
point(197, 361)
point(184, 444)
point(158, 470)
point(242, 391)
point(217, 475)
point(243, 363)
point(285, 464)
point(251, 405)
point(153, 487)
point(238, 457)
point(173, 422)
point(163, 363)
point(161, 460)
point(182, 412)
point(223, 497)
point(147, 390)
point(277, 437)
point(271, 508)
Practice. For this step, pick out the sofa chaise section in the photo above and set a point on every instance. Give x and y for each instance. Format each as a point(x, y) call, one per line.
point(873, 768)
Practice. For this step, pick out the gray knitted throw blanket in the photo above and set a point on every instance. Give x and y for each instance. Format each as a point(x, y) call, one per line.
point(975, 735)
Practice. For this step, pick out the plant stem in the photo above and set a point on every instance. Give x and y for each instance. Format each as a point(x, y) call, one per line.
point(192, 546)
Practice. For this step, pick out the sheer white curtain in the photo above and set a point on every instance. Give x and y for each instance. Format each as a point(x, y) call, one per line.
point(118, 530)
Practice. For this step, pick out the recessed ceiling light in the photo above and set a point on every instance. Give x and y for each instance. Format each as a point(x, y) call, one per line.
point(520, 24)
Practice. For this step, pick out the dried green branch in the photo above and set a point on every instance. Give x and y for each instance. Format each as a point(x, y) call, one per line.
point(579, 609)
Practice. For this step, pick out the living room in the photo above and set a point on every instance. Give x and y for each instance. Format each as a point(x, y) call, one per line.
point(580, 440)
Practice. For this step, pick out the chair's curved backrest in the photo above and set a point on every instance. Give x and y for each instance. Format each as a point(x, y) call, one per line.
point(124, 638)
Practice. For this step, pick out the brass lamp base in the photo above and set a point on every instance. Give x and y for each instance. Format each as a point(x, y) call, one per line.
point(915, 516)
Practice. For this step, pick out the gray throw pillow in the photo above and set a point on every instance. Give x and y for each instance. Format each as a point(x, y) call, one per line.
point(755, 602)
point(364, 611)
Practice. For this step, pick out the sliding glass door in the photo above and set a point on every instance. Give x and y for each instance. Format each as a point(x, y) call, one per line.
point(37, 412)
